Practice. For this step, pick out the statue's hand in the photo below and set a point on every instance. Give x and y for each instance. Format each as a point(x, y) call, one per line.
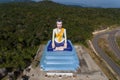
point(53, 45)
point(65, 45)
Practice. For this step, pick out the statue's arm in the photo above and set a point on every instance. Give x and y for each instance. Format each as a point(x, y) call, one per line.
point(53, 36)
point(65, 35)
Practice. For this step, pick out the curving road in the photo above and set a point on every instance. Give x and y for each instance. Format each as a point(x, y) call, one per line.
point(110, 62)
point(112, 43)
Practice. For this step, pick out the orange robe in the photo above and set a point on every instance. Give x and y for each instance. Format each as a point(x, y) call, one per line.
point(60, 35)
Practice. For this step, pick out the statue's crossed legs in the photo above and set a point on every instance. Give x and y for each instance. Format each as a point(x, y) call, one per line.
point(59, 46)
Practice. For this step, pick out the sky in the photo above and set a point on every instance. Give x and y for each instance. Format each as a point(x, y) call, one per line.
point(86, 3)
point(92, 3)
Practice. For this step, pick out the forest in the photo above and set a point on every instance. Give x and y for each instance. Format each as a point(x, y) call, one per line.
point(24, 26)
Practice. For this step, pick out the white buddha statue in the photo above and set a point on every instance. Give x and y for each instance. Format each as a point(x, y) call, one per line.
point(59, 38)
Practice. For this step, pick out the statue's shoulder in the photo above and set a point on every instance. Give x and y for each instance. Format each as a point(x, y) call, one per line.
point(54, 29)
point(63, 28)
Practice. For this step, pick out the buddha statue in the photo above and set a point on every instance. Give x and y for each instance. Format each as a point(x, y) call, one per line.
point(59, 38)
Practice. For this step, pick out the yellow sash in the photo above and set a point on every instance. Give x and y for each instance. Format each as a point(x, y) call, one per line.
point(60, 35)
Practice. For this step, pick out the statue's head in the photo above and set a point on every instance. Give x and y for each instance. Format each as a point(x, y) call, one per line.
point(59, 23)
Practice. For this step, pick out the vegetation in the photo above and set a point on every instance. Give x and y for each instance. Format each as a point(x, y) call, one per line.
point(24, 26)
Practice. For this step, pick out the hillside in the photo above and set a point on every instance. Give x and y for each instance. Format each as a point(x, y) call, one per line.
point(24, 26)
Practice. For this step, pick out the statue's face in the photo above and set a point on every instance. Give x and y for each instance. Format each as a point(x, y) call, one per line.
point(59, 24)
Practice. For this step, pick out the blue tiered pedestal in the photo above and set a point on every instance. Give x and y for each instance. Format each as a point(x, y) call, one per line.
point(66, 60)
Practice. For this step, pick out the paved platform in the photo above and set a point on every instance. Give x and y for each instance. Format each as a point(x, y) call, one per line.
point(88, 70)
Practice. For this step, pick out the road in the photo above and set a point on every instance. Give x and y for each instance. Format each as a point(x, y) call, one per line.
point(112, 43)
point(110, 62)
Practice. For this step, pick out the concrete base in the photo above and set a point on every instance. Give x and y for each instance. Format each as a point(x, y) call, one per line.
point(88, 70)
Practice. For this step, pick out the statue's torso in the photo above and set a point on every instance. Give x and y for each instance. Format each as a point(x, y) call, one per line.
point(59, 35)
